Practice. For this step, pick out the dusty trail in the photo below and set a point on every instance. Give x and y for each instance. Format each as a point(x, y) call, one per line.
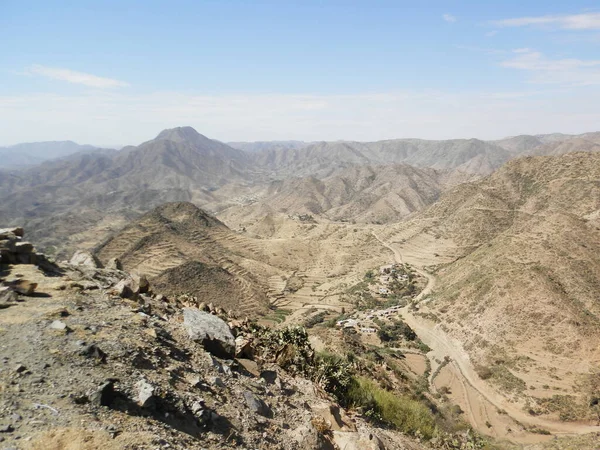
point(443, 345)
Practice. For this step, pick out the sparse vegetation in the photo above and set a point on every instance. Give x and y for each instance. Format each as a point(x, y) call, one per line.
point(403, 413)
point(315, 319)
point(502, 377)
point(278, 315)
point(568, 407)
point(391, 332)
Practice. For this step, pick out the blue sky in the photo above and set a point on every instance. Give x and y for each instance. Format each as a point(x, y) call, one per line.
point(117, 72)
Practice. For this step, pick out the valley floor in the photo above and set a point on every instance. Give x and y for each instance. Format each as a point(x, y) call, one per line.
point(451, 370)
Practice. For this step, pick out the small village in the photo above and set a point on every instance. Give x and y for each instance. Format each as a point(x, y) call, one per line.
point(391, 287)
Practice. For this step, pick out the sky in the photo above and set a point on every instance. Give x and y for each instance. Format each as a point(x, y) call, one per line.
point(118, 72)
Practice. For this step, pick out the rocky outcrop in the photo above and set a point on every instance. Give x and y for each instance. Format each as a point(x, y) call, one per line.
point(14, 250)
point(210, 331)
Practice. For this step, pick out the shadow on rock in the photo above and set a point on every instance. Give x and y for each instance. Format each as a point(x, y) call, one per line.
point(169, 410)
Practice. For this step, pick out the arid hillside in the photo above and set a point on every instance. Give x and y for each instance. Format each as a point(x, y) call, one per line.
point(467, 155)
point(183, 250)
point(517, 278)
point(383, 194)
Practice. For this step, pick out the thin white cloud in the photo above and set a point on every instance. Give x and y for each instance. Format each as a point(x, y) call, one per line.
point(486, 50)
point(449, 18)
point(565, 71)
point(72, 76)
point(586, 21)
point(491, 33)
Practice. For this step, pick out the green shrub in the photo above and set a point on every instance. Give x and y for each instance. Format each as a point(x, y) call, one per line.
point(394, 331)
point(333, 373)
point(398, 411)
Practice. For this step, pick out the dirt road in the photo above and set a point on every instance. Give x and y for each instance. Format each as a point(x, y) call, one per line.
point(443, 345)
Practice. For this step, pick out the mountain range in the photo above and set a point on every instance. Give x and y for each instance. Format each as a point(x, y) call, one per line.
point(30, 154)
point(368, 182)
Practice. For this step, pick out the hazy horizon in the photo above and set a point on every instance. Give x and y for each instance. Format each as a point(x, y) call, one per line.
point(226, 141)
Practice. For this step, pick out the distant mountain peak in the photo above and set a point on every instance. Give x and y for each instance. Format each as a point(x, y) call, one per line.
point(179, 134)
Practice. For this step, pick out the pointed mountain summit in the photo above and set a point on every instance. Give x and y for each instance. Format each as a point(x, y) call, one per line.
point(181, 134)
point(183, 152)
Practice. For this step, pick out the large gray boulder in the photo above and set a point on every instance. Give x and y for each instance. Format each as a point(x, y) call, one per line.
point(210, 331)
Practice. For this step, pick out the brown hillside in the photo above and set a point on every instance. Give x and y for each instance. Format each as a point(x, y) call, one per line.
point(181, 249)
point(520, 276)
point(361, 193)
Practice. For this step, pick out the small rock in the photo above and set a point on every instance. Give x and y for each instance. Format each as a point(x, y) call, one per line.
point(93, 351)
point(24, 287)
point(333, 416)
point(151, 332)
point(123, 289)
point(249, 366)
point(203, 414)
point(145, 394)
point(20, 368)
point(59, 325)
point(8, 297)
point(140, 284)
point(244, 347)
point(195, 381)
point(104, 395)
point(270, 376)
point(226, 369)
point(6, 428)
point(132, 286)
point(113, 431)
point(198, 405)
point(114, 264)
point(256, 405)
point(215, 381)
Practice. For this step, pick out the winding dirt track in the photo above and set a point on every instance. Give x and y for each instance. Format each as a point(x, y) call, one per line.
point(443, 345)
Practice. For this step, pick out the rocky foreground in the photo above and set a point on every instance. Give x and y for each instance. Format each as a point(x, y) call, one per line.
point(92, 358)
